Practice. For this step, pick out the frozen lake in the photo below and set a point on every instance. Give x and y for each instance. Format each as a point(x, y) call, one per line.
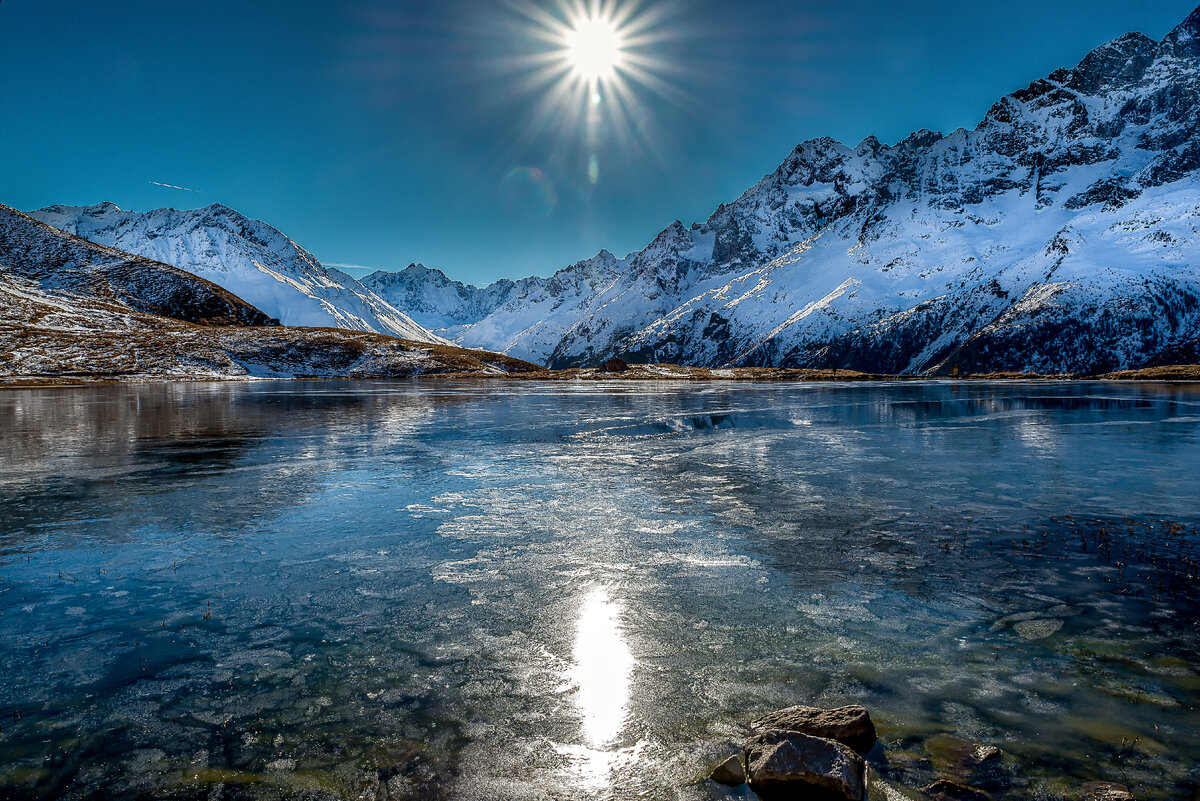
point(564, 591)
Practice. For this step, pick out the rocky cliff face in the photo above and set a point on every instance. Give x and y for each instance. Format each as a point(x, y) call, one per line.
point(1061, 234)
point(248, 257)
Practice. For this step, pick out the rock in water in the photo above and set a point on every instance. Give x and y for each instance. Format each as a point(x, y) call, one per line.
point(1037, 629)
point(730, 772)
point(1105, 791)
point(975, 765)
point(947, 790)
point(849, 725)
point(812, 768)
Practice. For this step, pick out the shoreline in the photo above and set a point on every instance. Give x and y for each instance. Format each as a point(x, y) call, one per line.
point(1182, 374)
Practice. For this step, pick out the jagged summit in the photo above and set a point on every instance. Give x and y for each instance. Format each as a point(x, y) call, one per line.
point(1118, 64)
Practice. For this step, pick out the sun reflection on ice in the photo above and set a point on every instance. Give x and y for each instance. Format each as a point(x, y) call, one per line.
point(602, 667)
point(601, 676)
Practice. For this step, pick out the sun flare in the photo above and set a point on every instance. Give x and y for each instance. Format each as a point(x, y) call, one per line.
point(593, 48)
point(601, 71)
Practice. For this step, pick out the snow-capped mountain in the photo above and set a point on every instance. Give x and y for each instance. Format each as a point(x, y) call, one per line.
point(73, 308)
point(1062, 234)
point(248, 257)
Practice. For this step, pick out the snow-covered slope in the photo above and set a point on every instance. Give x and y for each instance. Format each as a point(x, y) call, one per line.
point(1061, 234)
point(247, 257)
point(46, 273)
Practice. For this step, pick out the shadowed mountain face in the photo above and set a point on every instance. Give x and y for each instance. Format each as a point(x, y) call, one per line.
point(44, 260)
point(72, 308)
point(1057, 236)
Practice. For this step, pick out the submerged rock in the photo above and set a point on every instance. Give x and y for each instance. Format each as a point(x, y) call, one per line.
point(1033, 620)
point(849, 725)
point(802, 766)
point(412, 776)
point(731, 773)
point(949, 790)
point(1105, 791)
point(973, 764)
point(1037, 629)
point(879, 789)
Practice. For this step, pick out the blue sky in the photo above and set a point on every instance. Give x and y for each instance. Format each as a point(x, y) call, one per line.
point(381, 133)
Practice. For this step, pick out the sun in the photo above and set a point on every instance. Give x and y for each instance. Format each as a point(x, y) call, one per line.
point(594, 48)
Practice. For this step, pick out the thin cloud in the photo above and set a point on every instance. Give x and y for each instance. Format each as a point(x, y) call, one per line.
point(168, 186)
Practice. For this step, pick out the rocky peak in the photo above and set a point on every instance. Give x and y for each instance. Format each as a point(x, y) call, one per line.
point(869, 146)
point(1190, 26)
point(100, 209)
point(921, 139)
point(813, 161)
point(672, 236)
point(221, 211)
point(416, 270)
point(1119, 64)
point(1184, 40)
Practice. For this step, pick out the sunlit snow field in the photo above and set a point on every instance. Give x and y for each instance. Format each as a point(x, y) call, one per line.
point(557, 591)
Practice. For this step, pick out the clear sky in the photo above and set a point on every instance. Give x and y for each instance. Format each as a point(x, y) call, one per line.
point(381, 133)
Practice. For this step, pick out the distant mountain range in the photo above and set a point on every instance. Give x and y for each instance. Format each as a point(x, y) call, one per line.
point(1062, 234)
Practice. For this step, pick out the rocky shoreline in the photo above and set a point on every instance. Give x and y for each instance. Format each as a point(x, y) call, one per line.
point(617, 370)
point(443, 366)
point(814, 754)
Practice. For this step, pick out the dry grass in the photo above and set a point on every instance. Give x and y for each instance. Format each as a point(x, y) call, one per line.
point(155, 348)
point(1175, 372)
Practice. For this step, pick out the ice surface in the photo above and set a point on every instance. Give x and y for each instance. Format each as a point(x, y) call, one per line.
point(338, 586)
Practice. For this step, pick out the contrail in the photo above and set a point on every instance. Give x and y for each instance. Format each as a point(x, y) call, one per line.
point(168, 186)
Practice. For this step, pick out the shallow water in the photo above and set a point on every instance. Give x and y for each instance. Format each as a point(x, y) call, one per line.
point(564, 591)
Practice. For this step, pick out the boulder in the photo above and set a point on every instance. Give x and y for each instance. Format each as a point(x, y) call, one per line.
point(950, 790)
point(849, 725)
point(730, 772)
point(801, 766)
point(1105, 791)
